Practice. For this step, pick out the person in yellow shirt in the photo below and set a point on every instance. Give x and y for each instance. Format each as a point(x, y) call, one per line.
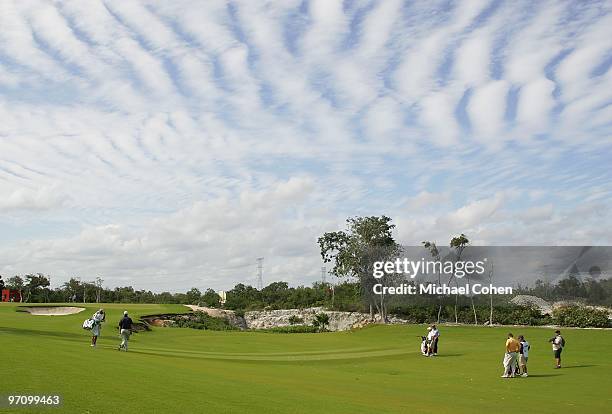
point(512, 348)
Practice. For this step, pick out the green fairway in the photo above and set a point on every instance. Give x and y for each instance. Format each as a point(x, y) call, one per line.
point(374, 370)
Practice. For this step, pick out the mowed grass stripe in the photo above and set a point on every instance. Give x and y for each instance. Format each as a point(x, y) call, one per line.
point(269, 357)
point(376, 369)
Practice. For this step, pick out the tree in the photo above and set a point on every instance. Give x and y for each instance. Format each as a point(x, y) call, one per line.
point(370, 256)
point(459, 243)
point(243, 297)
point(276, 294)
point(124, 294)
point(90, 290)
point(164, 297)
point(491, 296)
point(352, 252)
point(210, 298)
point(595, 292)
point(16, 283)
point(570, 288)
point(435, 253)
point(193, 296)
point(344, 248)
point(36, 285)
point(72, 288)
point(98, 283)
point(320, 321)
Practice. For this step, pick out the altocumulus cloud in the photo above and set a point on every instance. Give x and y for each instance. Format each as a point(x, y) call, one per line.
point(169, 144)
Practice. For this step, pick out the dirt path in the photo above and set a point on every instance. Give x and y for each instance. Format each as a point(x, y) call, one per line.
point(217, 313)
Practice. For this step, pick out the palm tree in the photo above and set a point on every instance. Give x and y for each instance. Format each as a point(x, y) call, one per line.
point(435, 253)
point(459, 243)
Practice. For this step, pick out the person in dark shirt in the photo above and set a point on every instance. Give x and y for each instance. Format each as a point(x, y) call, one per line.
point(125, 328)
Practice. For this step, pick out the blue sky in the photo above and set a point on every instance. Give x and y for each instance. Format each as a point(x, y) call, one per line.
point(168, 144)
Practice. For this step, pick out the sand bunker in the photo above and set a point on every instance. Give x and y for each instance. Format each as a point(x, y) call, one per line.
point(53, 310)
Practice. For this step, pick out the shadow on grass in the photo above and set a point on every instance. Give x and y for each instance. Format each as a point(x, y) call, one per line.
point(578, 366)
point(543, 375)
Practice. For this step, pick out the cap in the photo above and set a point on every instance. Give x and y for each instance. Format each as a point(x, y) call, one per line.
point(125, 312)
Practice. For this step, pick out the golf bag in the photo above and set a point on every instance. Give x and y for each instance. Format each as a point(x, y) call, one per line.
point(423, 345)
point(88, 324)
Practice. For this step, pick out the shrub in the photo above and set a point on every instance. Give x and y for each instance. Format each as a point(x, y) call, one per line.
point(417, 313)
point(321, 320)
point(519, 315)
point(201, 320)
point(294, 320)
point(504, 315)
point(581, 317)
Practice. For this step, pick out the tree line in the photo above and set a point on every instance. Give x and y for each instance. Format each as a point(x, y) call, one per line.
point(352, 252)
point(590, 290)
point(35, 288)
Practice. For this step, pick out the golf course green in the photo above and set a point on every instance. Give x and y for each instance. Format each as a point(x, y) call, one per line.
point(373, 370)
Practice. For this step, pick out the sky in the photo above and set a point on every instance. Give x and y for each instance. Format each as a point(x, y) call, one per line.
point(168, 144)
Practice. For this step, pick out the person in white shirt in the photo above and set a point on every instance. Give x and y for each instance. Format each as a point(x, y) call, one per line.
point(557, 345)
point(429, 338)
point(435, 335)
point(98, 318)
point(523, 355)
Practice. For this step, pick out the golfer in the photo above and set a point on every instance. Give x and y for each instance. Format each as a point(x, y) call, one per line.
point(98, 318)
point(125, 329)
point(523, 355)
point(435, 335)
point(429, 340)
point(557, 345)
point(512, 348)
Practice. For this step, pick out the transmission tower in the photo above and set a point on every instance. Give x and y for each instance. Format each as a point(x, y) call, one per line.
point(323, 274)
point(260, 273)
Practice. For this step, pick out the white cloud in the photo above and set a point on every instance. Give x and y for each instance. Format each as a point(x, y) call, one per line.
point(538, 213)
point(425, 199)
point(472, 214)
point(194, 241)
point(535, 105)
point(140, 140)
point(438, 116)
point(383, 119)
point(473, 59)
point(24, 199)
point(487, 108)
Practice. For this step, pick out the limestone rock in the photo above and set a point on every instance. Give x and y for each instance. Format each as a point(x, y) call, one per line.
point(527, 300)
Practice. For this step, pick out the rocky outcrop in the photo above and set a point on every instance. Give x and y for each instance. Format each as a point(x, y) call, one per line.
point(582, 304)
point(527, 300)
point(266, 319)
point(547, 308)
point(576, 302)
point(338, 321)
